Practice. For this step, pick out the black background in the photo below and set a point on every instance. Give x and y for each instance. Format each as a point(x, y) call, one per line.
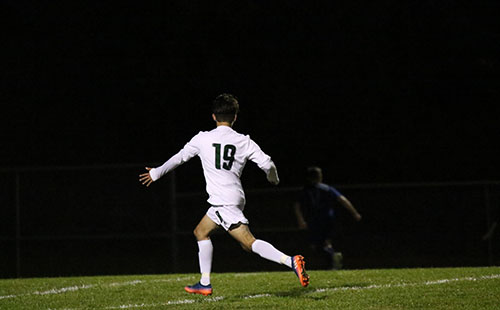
point(371, 91)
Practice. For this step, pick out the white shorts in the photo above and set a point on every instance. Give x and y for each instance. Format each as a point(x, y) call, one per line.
point(227, 216)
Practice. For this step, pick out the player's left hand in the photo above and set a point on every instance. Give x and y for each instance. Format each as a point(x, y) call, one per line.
point(357, 217)
point(273, 179)
point(145, 178)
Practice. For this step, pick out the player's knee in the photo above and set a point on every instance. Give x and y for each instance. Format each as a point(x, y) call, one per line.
point(246, 246)
point(199, 234)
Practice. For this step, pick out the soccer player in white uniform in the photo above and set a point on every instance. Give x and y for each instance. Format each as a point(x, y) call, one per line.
point(224, 153)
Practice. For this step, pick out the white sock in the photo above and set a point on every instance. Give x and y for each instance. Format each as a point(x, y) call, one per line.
point(267, 251)
point(206, 250)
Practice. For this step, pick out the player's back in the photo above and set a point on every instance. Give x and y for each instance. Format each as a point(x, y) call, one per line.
point(224, 153)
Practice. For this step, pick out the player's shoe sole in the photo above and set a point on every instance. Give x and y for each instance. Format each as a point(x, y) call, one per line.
point(299, 267)
point(198, 288)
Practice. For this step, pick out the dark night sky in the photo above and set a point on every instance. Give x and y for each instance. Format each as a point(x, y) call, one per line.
point(382, 91)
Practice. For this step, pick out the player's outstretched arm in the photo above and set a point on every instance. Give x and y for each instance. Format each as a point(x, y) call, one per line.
point(145, 178)
point(348, 205)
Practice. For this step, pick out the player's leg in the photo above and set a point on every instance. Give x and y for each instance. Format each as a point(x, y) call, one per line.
point(202, 233)
point(205, 228)
point(328, 234)
point(248, 242)
point(242, 234)
point(320, 241)
point(325, 248)
point(266, 250)
point(335, 257)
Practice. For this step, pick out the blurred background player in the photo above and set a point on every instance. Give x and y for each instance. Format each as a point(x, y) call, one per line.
point(224, 153)
point(315, 213)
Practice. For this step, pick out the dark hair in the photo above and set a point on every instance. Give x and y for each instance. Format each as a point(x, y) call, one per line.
point(225, 107)
point(313, 174)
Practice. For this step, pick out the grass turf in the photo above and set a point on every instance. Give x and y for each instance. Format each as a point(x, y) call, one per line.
point(439, 288)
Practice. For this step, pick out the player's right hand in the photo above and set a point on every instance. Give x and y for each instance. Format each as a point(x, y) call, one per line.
point(145, 178)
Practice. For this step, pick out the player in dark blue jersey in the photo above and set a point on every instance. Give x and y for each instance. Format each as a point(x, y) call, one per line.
point(315, 213)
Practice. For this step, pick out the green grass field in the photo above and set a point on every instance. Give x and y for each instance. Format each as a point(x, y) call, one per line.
point(440, 288)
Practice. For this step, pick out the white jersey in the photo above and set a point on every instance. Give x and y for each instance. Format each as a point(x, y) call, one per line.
point(223, 153)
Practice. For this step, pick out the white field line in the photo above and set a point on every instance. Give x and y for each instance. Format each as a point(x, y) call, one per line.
point(63, 290)
point(257, 296)
point(168, 303)
point(87, 286)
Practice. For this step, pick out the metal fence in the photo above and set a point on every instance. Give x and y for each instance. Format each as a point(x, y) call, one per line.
point(58, 221)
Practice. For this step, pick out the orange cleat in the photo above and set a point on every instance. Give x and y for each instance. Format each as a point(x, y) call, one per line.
point(299, 267)
point(198, 288)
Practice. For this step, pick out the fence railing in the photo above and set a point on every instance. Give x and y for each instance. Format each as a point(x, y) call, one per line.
point(99, 220)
